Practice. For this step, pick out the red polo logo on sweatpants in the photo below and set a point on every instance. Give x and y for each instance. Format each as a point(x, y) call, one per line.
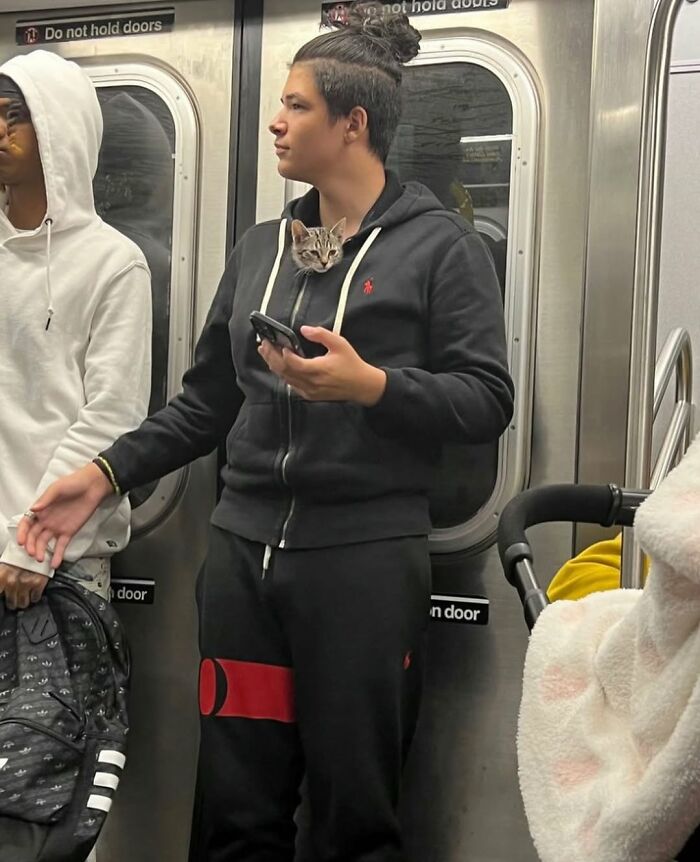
point(368, 287)
point(246, 689)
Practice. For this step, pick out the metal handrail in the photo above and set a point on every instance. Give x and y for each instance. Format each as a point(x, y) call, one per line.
point(647, 263)
point(675, 442)
point(676, 355)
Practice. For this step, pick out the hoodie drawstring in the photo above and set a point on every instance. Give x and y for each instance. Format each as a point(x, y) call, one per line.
point(344, 290)
point(276, 265)
point(48, 222)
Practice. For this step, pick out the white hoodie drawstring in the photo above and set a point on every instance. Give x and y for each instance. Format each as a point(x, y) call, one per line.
point(281, 236)
point(48, 222)
point(345, 288)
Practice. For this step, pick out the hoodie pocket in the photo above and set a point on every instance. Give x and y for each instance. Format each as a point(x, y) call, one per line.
point(239, 426)
point(254, 445)
point(338, 457)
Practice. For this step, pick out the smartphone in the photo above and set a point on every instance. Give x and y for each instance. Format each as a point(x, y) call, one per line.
point(275, 332)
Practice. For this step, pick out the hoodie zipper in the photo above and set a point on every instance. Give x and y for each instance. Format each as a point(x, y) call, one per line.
point(290, 440)
point(337, 324)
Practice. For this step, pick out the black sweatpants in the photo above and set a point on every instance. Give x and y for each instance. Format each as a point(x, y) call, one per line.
point(314, 668)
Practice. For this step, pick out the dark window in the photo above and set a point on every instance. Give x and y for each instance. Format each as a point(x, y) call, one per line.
point(455, 136)
point(134, 188)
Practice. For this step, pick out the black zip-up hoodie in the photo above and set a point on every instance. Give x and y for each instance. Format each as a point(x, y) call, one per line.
point(422, 302)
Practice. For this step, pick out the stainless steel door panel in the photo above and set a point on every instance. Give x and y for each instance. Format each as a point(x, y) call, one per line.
point(462, 800)
point(615, 117)
point(151, 816)
point(155, 799)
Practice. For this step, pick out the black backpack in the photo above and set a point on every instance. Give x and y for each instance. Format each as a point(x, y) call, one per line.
point(64, 672)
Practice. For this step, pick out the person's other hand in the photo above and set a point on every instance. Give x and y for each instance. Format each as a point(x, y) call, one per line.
point(21, 587)
point(61, 511)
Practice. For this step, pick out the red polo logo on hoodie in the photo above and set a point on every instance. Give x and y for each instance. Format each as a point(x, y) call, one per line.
point(368, 287)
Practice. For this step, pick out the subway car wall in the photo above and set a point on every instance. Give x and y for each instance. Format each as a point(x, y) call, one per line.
point(506, 119)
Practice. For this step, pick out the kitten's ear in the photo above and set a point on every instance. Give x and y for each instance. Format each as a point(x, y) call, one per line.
point(339, 229)
point(299, 231)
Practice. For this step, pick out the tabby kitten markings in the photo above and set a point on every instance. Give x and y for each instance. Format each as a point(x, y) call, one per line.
point(317, 248)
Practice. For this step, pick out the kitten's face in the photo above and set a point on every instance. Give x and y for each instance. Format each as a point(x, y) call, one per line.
point(317, 248)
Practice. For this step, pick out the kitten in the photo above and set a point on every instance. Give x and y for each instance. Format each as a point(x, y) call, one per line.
point(317, 248)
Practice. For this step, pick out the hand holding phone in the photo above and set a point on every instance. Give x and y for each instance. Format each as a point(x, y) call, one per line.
point(275, 332)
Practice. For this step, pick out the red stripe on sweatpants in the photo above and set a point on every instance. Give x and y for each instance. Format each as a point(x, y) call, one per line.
point(255, 690)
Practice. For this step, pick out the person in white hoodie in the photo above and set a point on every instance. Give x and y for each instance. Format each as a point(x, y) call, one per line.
point(75, 318)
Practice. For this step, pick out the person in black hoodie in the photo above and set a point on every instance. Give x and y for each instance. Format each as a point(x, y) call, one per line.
point(315, 595)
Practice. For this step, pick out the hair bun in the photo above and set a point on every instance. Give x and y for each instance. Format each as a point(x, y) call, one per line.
point(376, 20)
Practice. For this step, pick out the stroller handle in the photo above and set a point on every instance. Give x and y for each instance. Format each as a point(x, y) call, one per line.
point(591, 504)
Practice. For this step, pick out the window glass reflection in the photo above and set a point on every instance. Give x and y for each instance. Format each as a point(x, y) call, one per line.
point(134, 189)
point(455, 136)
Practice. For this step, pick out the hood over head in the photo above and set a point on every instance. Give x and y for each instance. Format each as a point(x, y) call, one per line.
point(397, 203)
point(68, 124)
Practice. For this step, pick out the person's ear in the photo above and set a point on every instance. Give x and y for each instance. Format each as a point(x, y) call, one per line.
point(356, 124)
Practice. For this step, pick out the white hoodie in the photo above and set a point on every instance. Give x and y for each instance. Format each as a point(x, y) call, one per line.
point(69, 390)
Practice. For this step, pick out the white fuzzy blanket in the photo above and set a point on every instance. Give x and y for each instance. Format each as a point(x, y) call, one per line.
point(609, 728)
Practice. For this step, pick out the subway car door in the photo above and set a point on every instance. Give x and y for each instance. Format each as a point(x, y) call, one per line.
point(164, 80)
point(494, 117)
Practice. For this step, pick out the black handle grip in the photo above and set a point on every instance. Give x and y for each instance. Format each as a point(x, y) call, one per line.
point(587, 503)
point(591, 504)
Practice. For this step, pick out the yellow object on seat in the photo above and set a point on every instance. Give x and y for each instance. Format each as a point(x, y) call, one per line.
point(595, 569)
